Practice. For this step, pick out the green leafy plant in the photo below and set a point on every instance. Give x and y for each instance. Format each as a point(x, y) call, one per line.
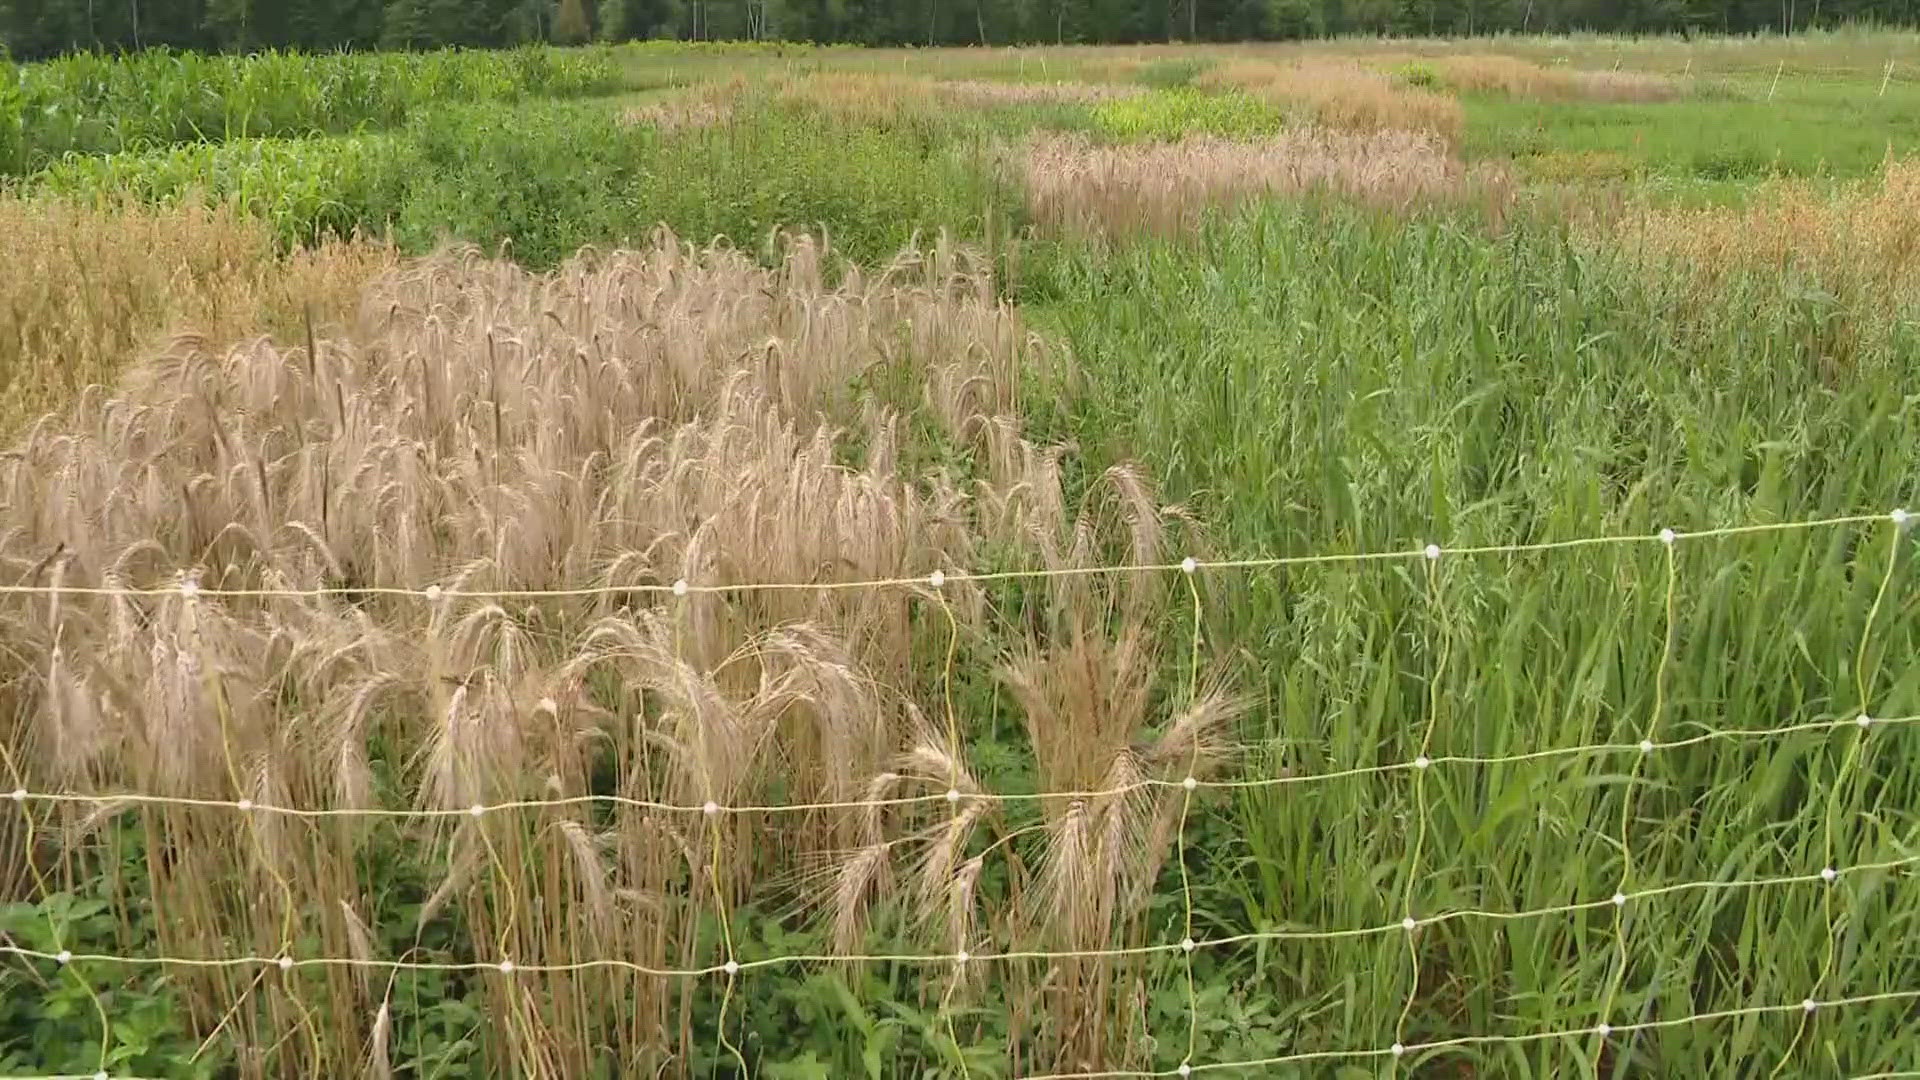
point(95, 104)
point(307, 189)
point(1174, 114)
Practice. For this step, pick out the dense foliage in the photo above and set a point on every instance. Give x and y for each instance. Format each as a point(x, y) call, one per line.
point(92, 104)
point(35, 28)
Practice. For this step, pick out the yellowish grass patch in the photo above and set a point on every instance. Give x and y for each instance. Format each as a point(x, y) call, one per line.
point(1343, 94)
point(87, 286)
point(1076, 186)
point(1494, 73)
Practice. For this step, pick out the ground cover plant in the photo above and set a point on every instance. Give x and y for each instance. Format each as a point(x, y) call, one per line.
point(92, 104)
point(759, 481)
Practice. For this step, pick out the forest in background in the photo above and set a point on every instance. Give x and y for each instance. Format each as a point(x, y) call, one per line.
point(32, 29)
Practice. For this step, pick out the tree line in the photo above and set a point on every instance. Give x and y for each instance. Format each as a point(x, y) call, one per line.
point(31, 29)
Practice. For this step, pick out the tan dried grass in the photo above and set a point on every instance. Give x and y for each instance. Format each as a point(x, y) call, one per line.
point(631, 419)
point(1494, 73)
point(1342, 94)
point(1078, 187)
point(1861, 242)
point(993, 92)
point(87, 286)
point(1857, 245)
point(704, 106)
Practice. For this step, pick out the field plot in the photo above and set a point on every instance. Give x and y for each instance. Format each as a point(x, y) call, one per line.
point(1369, 558)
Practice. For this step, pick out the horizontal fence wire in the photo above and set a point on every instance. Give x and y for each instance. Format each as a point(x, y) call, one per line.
point(189, 585)
point(1864, 724)
point(125, 801)
point(506, 966)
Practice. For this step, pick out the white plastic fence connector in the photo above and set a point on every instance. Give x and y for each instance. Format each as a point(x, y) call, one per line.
point(432, 593)
point(937, 579)
point(731, 967)
point(1668, 536)
point(1432, 552)
point(1189, 564)
point(680, 587)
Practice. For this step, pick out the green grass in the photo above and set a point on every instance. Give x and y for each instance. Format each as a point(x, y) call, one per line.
point(1174, 114)
point(90, 104)
point(307, 189)
point(1838, 127)
point(1319, 380)
point(547, 178)
point(551, 178)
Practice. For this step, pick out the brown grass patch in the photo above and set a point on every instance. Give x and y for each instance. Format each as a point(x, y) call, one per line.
point(1493, 73)
point(87, 286)
point(1079, 187)
point(631, 419)
point(988, 92)
point(901, 100)
point(1343, 94)
point(703, 106)
point(1860, 245)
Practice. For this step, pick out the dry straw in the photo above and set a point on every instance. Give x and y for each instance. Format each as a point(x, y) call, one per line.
point(1857, 245)
point(1343, 94)
point(631, 420)
point(1076, 186)
point(87, 285)
point(1494, 73)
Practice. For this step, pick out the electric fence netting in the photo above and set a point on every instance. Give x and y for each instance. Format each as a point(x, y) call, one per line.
point(1680, 834)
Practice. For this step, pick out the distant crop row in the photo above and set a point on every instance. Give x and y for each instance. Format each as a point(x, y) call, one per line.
point(549, 177)
point(92, 104)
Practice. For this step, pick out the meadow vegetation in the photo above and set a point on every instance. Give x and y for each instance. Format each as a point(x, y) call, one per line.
point(95, 104)
point(434, 402)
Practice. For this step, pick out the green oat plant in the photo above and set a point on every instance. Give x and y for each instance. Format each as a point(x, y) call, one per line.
point(1316, 379)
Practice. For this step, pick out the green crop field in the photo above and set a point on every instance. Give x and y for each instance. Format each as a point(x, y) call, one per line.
point(1371, 557)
